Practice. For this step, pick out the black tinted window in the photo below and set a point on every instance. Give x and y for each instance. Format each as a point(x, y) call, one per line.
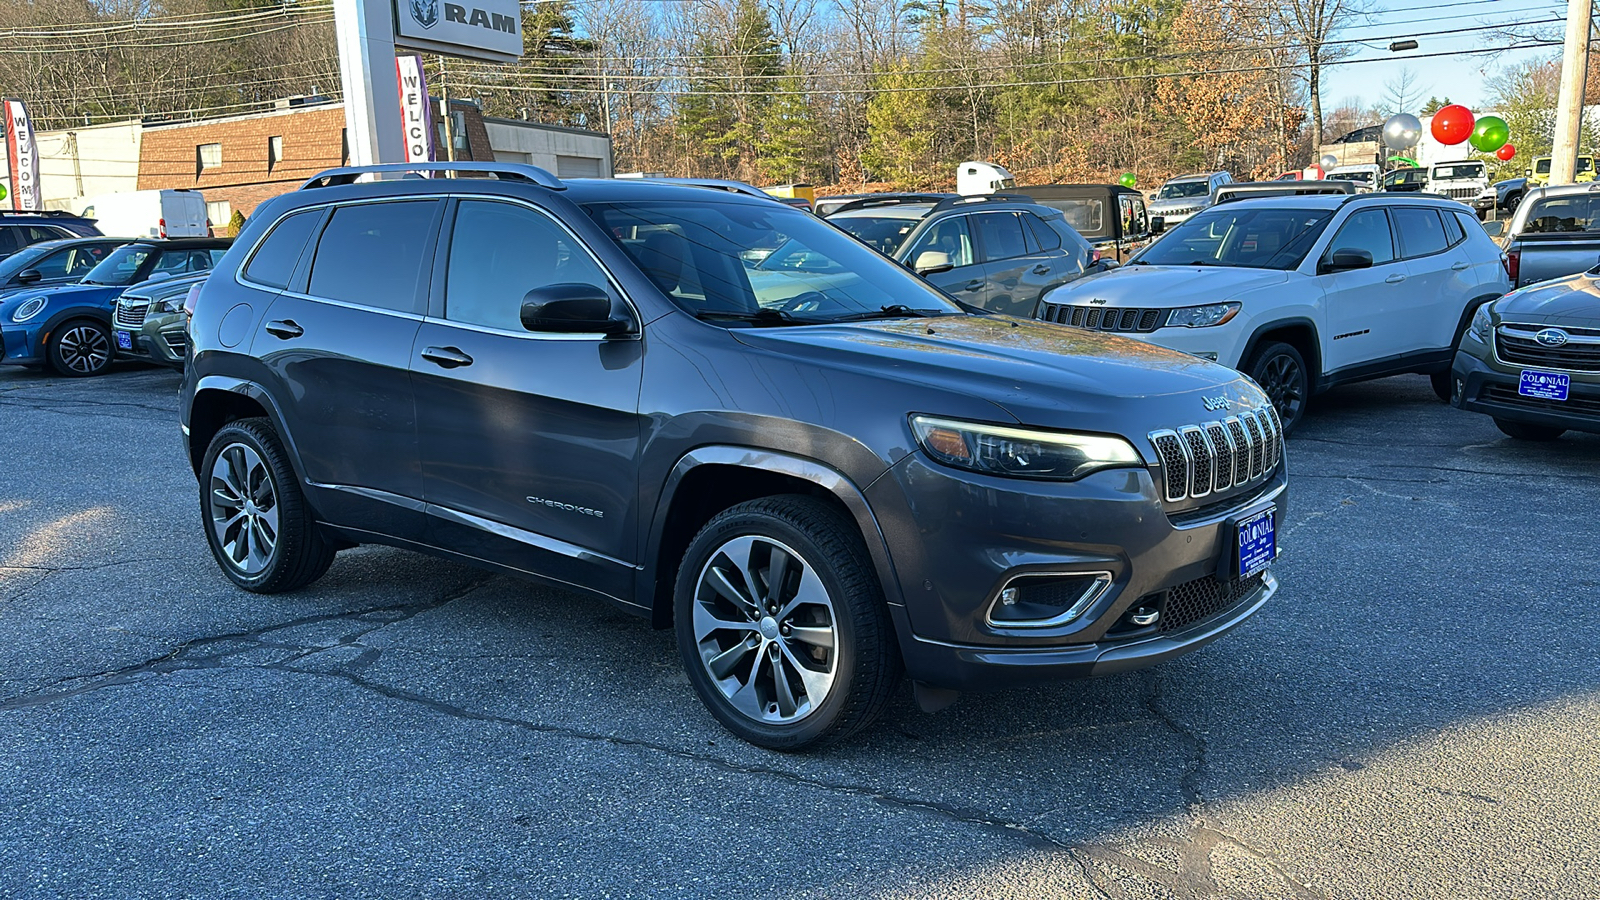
point(8, 240)
point(1421, 232)
point(371, 254)
point(1043, 234)
point(1002, 236)
point(498, 253)
point(1560, 214)
point(1367, 230)
point(1453, 234)
point(73, 262)
point(275, 259)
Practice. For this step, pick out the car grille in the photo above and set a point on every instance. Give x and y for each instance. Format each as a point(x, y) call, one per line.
point(1515, 344)
point(1236, 452)
point(1205, 598)
point(1101, 318)
point(1465, 193)
point(131, 313)
point(1507, 395)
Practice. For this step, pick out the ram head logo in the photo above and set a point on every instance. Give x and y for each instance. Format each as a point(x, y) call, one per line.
point(426, 12)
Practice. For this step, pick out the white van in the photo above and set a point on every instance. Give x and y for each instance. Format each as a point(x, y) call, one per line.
point(144, 214)
point(982, 178)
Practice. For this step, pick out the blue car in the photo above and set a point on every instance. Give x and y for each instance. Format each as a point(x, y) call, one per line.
point(68, 327)
point(53, 263)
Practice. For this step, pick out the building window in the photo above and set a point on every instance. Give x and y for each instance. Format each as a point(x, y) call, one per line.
point(274, 151)
point(209, 156)
point(219, 213)
point(458, 125)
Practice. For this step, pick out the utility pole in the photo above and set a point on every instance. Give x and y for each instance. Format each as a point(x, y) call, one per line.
point(449, 122)
point(1569, 109)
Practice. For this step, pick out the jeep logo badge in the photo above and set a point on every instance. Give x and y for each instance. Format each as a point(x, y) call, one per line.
point(1212, 404)
point(1551, 337)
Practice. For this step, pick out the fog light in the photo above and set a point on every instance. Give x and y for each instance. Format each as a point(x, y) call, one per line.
point(1045, 601)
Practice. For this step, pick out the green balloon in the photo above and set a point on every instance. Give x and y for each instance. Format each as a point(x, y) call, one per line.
point(1489, 134)
point(1129, 180)
point(2, 192)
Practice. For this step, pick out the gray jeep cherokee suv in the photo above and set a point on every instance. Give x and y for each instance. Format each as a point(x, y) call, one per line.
point(820, 477)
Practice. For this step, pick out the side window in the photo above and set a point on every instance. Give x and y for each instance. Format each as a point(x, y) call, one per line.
point(372, 254)
point(59, 265)
point(501, 251)
point(1421, 232)
point(1468, 222)
point(1046, 236)
point(8, 240)
point(1453, 234)
point(274, 261)
point(1134, 221)
point(1002, 236)
point(36, 234)
point(1366, 230)
point(949, 236)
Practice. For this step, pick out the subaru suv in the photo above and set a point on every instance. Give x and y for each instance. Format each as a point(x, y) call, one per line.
point(592, 384)
point(1303, 293)
point(997, 251)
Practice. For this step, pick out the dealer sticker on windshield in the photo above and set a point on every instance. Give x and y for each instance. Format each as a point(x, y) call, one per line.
point(1544, 385)
point(1258, 541)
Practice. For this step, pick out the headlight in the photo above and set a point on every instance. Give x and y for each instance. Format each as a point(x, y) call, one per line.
point(28, 310)
point(1202, 316)
point(1482, 326)
point(1021, 452)
point(169, 305)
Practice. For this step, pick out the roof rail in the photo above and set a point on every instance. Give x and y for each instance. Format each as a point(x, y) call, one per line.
point(876, 200)
point(953, 202)
point(502, 171)
point(40, 213)
point(721, 184)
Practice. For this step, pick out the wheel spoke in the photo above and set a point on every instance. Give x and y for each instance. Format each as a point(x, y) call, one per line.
point(782, 691)
point(725, 663)
point(815, 635)
point(707, 621)
point(777, 574)
point(719, 582)
point(745, 699)
point(816, 683)
point(810, 591)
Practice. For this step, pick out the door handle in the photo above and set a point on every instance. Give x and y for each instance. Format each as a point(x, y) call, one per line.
point(447, 357)
point(285, 329)
point(1461, 266)
point(973, 285)
point(1396, 278)
point(1041, 269)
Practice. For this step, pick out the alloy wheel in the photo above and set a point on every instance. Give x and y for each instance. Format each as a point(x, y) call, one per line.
point(244, 508)
point(766, 630)
point(85, 349)
point(1284, 383)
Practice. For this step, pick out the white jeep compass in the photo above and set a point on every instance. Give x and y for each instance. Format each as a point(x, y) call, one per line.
point(1302, 293)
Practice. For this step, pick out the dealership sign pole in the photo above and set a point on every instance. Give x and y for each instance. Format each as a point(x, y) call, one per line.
point(23, 155)
point(369, 30)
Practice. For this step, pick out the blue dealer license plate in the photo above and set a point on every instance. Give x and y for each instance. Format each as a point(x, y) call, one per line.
point(1258, 541)
point(1544, 385)
point(124, 340)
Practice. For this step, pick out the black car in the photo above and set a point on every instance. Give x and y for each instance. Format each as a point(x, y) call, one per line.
point(590, 383)
point(997, 251)
point(22, 228)
point(1405, 181)
point(1112, 218)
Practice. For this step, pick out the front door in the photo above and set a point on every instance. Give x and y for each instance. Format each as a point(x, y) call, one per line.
point(529, 441)
point(952, 236)
point(1365, 306)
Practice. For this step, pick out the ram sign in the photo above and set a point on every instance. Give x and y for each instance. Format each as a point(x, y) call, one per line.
point(479, 29)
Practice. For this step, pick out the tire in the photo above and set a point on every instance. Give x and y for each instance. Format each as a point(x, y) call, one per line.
point(80, 348)
point(1442, 383)
point(249, 496)
point(1525, 432)
point(1280, 370)
point(733, 649)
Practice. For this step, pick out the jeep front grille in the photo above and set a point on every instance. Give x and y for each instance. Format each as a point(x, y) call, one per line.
point(131, 313)
point(1236, 452)
point(1466, 193)
point(1101, 318)
point(1581, 353)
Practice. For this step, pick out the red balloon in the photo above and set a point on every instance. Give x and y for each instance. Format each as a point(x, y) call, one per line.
point(1452, 124)
point(1505, 152)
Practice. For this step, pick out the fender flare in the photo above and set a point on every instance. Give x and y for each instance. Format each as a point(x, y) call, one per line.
point(771, 461)
point(1466, 317)
point(1251, 345)
point(244, 388)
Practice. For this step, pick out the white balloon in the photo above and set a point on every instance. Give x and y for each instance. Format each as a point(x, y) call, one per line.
point(1329, 160)
point(1401, 131)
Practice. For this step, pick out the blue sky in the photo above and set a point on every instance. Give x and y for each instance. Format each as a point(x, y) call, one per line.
point(1462, 77)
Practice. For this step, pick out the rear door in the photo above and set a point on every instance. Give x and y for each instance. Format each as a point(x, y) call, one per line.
point(1014, 267)
point(952, 236)
point(337, 340)
point(529, 441)
point(1437, 276)
point(1366, 307)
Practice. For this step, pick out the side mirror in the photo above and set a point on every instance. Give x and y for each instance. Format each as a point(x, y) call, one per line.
point(1158, 224)
point(30, 276)
point(932, 262)
point(1346, 259)
point(159, 276)
point(573, 309)
point(1495, 227)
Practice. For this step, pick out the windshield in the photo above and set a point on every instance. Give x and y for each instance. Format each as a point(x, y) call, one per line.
point(1239, 236)
point(1177, 190)
point(694, 252)
point(1086, 215)
point(1464, 170)
point(1363, 177)
point(1563, 215)
point(120, 267)
point(882, 233)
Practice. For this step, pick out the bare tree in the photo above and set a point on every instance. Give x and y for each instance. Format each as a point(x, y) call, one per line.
point(1313, 24)
point(1403, 93)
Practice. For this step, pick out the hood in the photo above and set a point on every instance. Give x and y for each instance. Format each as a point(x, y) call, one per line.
point(1572, 301)
point(62, 295)
point(1166, 286)
point(1040, 373)
point(1155, 206)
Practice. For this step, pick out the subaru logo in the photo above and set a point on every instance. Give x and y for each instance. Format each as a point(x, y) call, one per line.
point(1212, 404)
point(1551, 337)
point(426, 12)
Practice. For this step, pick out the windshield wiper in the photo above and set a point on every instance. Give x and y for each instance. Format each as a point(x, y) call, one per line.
point(763, 316)
point(892, 311)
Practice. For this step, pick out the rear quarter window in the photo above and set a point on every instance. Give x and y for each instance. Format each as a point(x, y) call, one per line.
point(273, 263)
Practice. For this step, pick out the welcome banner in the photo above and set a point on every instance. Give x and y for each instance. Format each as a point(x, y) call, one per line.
point(24, 158)
point(416, 116)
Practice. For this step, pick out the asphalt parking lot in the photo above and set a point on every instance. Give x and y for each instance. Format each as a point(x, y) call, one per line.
point(1415, 714)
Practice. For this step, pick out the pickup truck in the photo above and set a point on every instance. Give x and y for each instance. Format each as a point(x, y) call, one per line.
point(1555, 233)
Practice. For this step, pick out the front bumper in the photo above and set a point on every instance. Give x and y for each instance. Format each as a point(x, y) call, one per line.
point(154, 342)
point(1485, 385)
point(957, 538)
point(19, 346)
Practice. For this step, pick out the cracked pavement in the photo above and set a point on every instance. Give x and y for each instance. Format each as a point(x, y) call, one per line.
point(1414, 715)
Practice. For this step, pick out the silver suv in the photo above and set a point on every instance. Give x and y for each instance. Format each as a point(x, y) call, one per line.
point(1186, 195)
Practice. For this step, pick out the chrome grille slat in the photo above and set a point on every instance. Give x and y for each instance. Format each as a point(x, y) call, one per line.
point(1130, 319)
point(1237, 453)
point(1514, 343)
point(1224, 459)
point(1174, 462)
point(1257, 444)
point(131, 313)
point(1203, 462)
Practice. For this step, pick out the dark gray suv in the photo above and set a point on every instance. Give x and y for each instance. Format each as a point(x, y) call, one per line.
point(821, 476)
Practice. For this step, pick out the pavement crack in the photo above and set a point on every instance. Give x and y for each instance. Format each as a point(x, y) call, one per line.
point(1189, 783)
